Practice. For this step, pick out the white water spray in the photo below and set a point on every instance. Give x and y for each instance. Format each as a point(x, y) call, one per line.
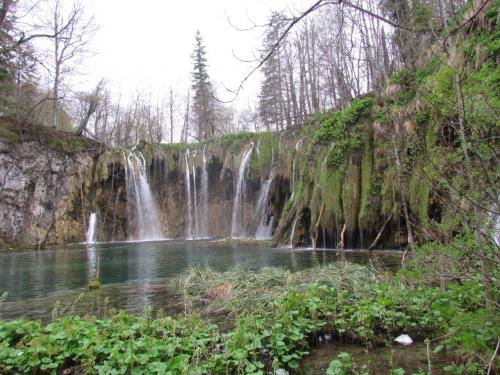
point(91, 236)
point(237, 230)
point(205, 233)
point(264, 228)
point(189, 229)
point(292, 181)
point(292, 235)
point(195, 194)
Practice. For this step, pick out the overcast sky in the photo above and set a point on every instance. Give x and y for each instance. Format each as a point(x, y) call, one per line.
point(147, 45)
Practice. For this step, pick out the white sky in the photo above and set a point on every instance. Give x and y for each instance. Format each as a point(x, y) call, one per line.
point(146, 45)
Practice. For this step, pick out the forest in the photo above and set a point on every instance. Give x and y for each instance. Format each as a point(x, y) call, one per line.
point(343, 220)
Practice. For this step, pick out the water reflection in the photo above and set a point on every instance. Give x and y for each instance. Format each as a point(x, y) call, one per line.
point(92, 262)
point(134, 274)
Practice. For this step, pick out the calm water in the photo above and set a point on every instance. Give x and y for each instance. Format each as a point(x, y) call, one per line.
point(133, 275)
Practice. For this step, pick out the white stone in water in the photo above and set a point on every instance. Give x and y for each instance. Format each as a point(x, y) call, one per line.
point(404, 340)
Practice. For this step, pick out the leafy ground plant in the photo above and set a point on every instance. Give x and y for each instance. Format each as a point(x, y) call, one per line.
point(364, 309)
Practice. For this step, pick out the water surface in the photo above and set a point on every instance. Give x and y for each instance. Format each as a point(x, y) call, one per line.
point(135, 274)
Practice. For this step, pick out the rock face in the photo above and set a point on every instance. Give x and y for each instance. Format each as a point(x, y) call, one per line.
point(50, 183)
point(43, 178)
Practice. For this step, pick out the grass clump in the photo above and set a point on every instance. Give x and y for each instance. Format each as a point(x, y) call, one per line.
point(252, 291)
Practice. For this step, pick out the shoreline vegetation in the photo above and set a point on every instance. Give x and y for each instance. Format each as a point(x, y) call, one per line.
point(263, 321)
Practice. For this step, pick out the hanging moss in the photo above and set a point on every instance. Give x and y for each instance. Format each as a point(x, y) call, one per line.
point(331, 183)
point(419, 197)
point(351, 193)
point(268, 146)
point(367, 207)
point(315, 205)
point(260, 164)
point(234, 142)
point(388, 193)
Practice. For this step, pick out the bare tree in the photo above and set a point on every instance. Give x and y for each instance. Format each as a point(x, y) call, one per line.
point(91, 103)
point(173, 107)
point(72, 30)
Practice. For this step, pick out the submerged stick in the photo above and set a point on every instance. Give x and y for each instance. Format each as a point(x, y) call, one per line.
point(490, 366)
point(375, 241)
point(316, 227)
point(428, 343)
point(340, 245)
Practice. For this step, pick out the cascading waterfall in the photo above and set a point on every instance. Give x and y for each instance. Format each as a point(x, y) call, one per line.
point(189, 228)
point(292, 235)
point(141, 207)
point(195, 199)
point(265, 229)
point(237, 230)
point(204, 198)
point(91, 237)
point(298, 145)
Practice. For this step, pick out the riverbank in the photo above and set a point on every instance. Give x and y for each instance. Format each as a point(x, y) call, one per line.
point(263, 321)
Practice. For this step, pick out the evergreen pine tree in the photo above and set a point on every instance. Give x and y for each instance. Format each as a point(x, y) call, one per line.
point(271, 94)
point(203, 101)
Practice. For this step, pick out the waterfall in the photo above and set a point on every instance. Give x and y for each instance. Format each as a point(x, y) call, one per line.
point(189, 229)
point(91, 238)
point(292, 235)
point(141, 207)
point(292, 181)
point(204, 198)
point(265, 230)
point(236, 225)
point(195, 193)
point(298, 145)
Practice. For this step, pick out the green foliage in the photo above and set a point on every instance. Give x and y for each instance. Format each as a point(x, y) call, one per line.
point(342, 128)
point(298, 306)
point(421, 14)
point(126, 344)
point(422, 118)
point(260, 164)
point(122, 344)
point(234, 141)
point(440, 92)
point(407, 80)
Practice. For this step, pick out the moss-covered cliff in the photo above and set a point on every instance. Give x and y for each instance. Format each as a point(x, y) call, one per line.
point(384, 170)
